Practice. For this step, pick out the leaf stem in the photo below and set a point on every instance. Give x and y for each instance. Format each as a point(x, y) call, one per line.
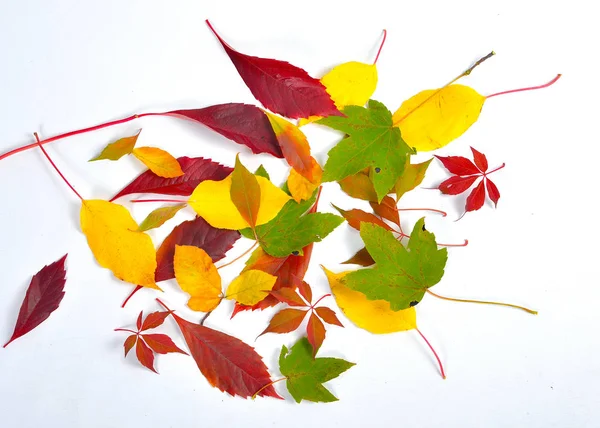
point(163, 305)
point(464, 244)
point(240, 256)
point(443, 213)
point(530, 88)
point(483, 302)
point(204, 317)
point(38, 143)
point(174, 201)
point(137, 288)
point(127, 330)
point(485, 174)
point(321, 298)
point(267, 385)
point(380, 46)
point(434, 353)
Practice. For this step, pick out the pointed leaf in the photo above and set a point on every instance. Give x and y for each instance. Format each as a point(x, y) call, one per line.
point(245, 192)
point(285, 321)
point(493, 191)
point(159, 162)
point(411, 177)
point(386, 209)
point(362, 258)
point(144, 355)
point(359, 186)
point(315, 332)
point(129, 343)
point(153, 320)
point(456, 184)
point(162, 344)
point(138, 323)
point(305, 289)
point(118, 149)
point(251, 287)
point(480, 160)
point(476, 199)
point(458, 165)
point(356, 217)
point(159, 216)
point(328, 316)
point(197, 275)
point(288, 296)
point(262, 172)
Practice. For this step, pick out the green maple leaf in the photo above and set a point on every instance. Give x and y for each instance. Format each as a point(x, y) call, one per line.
point(401, 275)
point(373, 142)
point(292, 229)
point(305, 374)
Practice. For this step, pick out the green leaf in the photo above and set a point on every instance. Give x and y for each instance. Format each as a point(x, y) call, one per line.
point(245, 192)
point(401, 275)
point(412, 176)
point(292, 229)
point(159, 216)
point(305, 374)
point(373, 142)
point(262, 172)
point(118, 149)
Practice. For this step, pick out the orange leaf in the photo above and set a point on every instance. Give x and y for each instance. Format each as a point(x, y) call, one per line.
point(355, 217)
point(159, 162)
point(285, 321)
point(161, 343)
point(328, 316)
point(315, 332)
point(145, 355)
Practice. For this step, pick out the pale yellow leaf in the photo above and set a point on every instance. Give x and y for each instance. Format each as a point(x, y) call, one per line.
point(251, 287)
point(159, 162)
point(197, 275)
point(300, 188)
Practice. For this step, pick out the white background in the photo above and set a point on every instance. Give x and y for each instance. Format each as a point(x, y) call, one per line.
point(65, 65)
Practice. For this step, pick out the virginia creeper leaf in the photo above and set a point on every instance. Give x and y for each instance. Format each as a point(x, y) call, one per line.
point(328, 315)
point(356, 217)
point(288, 296)
point(145, 355)
point(285, 321)
point(118, 149)
point(159, 216)
point(129, 343)
point(251, 287)
point(154, 319)
point(315, 332)
point(197, 275)
point(245, 193)
point(387, 209)
point(161, 344)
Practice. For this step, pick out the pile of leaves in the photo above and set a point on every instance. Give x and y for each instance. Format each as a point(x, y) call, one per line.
point(371, 162)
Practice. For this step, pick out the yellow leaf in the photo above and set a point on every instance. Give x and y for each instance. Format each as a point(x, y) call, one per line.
point(212, 201)
point(251, 287)
point(118, 149)
point(349, 84)
point(433, 118)
point(371, 315)
point(197, 275)
point(115, 241)
point(300, 188)
point(159, 162)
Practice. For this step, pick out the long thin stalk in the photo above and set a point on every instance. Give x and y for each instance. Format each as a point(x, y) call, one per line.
point(482, 302)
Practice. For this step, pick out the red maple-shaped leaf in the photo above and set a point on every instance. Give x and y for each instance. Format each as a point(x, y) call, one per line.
point(195, 170)
point(43, 297)
point(280, 86)
point(466, 174)
point(198, 233)
point(243, 123)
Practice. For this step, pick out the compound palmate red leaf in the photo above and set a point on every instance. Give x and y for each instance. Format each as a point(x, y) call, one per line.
point(161, 343)
point(280, 86)
point(145, 355)
point(315, 332)
point(476, 198)
point(227, 363)
point(129, 343)
point(285, 321)
point(195, 170)
point(455, 185)
point(493, 191)
point(153, 320)
point(459, 165)
point(328, 316)
point(43, 297)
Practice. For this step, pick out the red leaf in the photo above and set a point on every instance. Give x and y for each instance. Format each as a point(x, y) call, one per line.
point(153, 320)
point(315, 332)
point(129, 342)
point(386, 209)
point(328, 316)
point(281, 87)
point(161, 343)
point(145, 355)
point(455, 185)
point(138, 323)
point(285, 321)
point(289, 296)
point(458, 165)
point(355, 217)
point(476, 198)
point(43, 297)
point(493, 191)
point(480, 160)
point(305, 290)
point(197, 232)
point(195, 170)
point(227, 363)
point(243, 123)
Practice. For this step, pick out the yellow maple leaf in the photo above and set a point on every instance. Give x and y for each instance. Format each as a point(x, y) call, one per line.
point(159, 162)
point(251, 287)
point(115, 241)
point(197, 275)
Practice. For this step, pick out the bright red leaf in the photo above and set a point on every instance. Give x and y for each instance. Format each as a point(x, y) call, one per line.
point(153, 320)
point(288, 296)
point(145, 355)
point(455, 185)
point(480, 160)
point(161, 343)
point(459, 165)
point(493, 191)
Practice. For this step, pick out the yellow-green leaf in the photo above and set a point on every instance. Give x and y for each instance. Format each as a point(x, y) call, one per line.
point(159, 216)
point(197, 275)
point(251, 287)
point(159, 162)
point(245, 193)
point(411, 177)
point(118, 149)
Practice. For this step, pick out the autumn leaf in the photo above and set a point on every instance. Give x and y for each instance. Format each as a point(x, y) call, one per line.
point(262, 172)
point(300, 188)
point(198, 233)
point(361, 257)
point(372, 142)
point(158, 161)
point(285, 321)
point(356, 217)
point(118, 149)
point(113, 236)
point(251, 287)
point(305, 374)
point(195, 170)
point(281, 87)
point(197, 275)
point(411, 177)
point(387, 209)
point(161, 344)
point(315, 332)
point(359, 186)
point(401, 275)
point(154, 320)
point(245, 193)
point(43, 296)
point(159, 216)
point(145, 355)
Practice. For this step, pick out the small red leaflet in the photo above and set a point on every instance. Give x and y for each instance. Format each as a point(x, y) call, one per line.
point(466, 174)
point(43, 297)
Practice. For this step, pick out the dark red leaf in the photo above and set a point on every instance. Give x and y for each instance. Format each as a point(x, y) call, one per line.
point(455, 185)
point(315, 332)
point(43, 297)
point(145, 355)
point(153, 320)
point(480, 160)
point(161, 343)
point(197, 232)
point(386, 209)
point(459, 165)
point(289, 296)
point(362, 258)
point(328, 316)
point(138, 323)
point(243, 123)
point(281, 87)
point(129, 342)
point(476, 198)
point(227, 363)
point(195, 171)
point(305, 290)
point(493, 191)
point(355, 217)
point(285, 321)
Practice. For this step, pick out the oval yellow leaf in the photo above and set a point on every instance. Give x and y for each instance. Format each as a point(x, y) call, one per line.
point(435, 117)
point(197, 275)
point(371, 315)
point(251, 287)
point(159, 162)
point(115, 241)
point(300, 188)
point(212, 201)
point(159, 216)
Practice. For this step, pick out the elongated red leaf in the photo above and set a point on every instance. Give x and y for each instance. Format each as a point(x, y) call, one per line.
point(305, 290)
point(362, 258)
point(281, 87)
point(459, 165)
point(315, 332)
point(129, 342)
point(43, 297)
point(161, 343)
point(153, 320)
point(195, 170)
point(227, 363)
point(243, 123)
point(138, 323)
point(285, 321)
point(288, 296)
point(355, 217)
point(328, 316)
point(386, 209)
point(480, 160)
point(476, 198)
point(145, 355)
point(493, 191)
point(198, 233)
point(455, 185)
